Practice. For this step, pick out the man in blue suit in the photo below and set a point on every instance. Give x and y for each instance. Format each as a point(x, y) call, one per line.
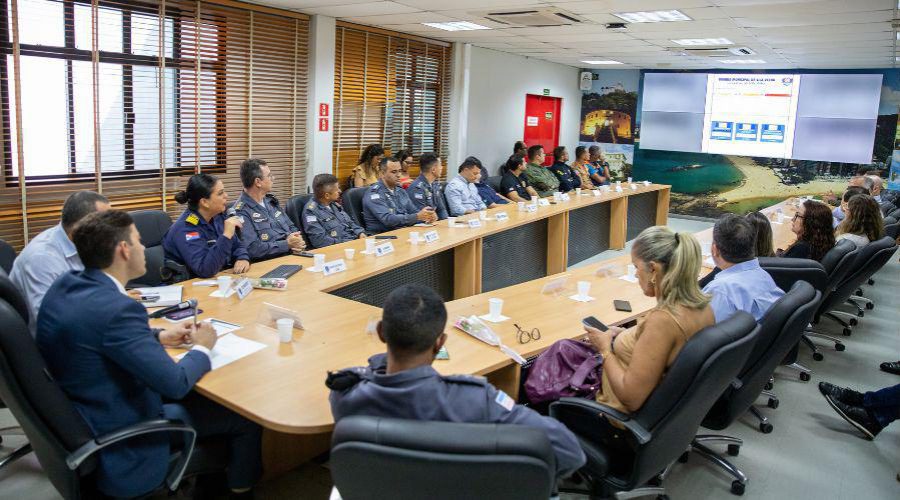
point(101, 350)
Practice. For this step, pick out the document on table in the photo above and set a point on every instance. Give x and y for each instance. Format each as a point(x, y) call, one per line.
point(231, 348)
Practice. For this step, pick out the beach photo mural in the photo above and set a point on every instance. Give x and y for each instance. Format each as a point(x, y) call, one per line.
point(709, 185)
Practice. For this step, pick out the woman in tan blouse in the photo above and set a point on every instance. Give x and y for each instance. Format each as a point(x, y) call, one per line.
point(580, 167)
point(636, 359)
point(366, 172)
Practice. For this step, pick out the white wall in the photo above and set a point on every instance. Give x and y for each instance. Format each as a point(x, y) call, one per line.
point(497, 85)
point(321, 90)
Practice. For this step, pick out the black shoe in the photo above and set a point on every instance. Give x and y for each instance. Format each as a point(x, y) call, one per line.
point(846, 396)
point(891, 367)
point(858, 417)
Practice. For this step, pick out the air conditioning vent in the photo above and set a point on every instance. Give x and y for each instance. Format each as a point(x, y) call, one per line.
point(532, 18)
point(714, 51)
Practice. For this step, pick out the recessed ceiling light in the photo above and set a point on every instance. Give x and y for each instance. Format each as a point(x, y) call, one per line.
point(595, 61)
point(703, 41)
point(457, 26)
point(742, 61)
point(654, 16)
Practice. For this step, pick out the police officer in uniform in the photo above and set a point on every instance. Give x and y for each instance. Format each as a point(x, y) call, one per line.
point(324, 220)
point(403, 384)
point(202, 238)
point(268, 232)
point(425, 191)
point(568, 178)
point(386, 205)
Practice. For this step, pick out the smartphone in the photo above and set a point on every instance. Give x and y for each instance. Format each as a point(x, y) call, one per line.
point(182, 314)
point(622, 305)
point(385, 237)
point(594, 323)
point(305, 254)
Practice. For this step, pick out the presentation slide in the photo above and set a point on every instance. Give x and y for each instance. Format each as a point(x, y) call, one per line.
point(750, 115)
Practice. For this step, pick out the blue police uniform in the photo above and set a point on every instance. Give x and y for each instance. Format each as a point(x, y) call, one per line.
point(328, 224)
point(201, 246)
point(385, 209)
point(424, 194)
point(423, 394)
point(266, 227)
point(568, 179)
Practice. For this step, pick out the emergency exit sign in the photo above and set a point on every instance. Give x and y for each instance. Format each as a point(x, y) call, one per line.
point(546, 91)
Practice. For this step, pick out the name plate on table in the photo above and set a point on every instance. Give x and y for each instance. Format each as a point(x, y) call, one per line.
point(501, 216)
point(243, 287)
point(565, 197)
point(531, 208)
point(633, 187)
point(431, 236)
point(474, 222)
point(597, 192)
point(544, 202)
point(618, 189)
point(384, 249)
point(646, 183)
point(334, 267)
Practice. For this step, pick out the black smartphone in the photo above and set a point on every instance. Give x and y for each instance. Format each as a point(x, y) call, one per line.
point(594, 323)
point(385, 237)
point(305, 254)
point(182, 314)
point(622, 305)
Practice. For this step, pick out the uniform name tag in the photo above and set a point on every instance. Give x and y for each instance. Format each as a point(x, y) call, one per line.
point(374, 196)
point(384, 249)
point(431, 236)
point(474, 222)
point(502, 216)
point(310, 218)
point(596, 192)
point(333, 267)
point(544, 202)
point(418, 196)
point(531, 208)
point(243, 288)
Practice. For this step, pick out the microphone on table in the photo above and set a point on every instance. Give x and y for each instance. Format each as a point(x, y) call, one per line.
point(231, 212)
point(190, 303)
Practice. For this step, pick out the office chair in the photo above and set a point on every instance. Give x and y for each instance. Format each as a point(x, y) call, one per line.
point(895, 214)
point(887, 208)
point(10, 293)
point(779, 331)
point(352, 200)
point(870, 260)
point(494, 182)
point(7, 256)
point(294, 209)
point(891, 230)
point(152, 226)
point(662, 429)
point(378, 458)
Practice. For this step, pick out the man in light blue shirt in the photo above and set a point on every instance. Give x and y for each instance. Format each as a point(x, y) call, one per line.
point(462, 193)
point(741, 285)
point(52, 253)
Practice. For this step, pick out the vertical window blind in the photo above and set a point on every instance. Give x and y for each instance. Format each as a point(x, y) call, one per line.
point(129, 97)
point(391, 89)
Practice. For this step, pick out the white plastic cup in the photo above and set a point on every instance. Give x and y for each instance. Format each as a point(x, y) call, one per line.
point(451, 221)
point(285, 329)
point(318, 261)
point(577, 191)
point(414, 237)
point(618, 183)
point(482, 214)
point(629, 180)
point(557, 196)
point(495, 307)
point(780, 214)
point(349, 253)
point(521, 206)
point(584, 287)
point(370, 245)
point(224, 284)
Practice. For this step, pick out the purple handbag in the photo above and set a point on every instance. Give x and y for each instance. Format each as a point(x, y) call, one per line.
point(567, 368)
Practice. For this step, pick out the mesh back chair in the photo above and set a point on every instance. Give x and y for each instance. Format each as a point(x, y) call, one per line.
point(294, 208)
point(376, 458)
point(7, 256)
point(352, 201)
point(62, 441)
point(662, 429)
point(779, 331)
point(152, 226)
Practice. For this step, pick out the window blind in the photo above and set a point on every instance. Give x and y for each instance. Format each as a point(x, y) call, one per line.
point(391, 89)
point(129, 97)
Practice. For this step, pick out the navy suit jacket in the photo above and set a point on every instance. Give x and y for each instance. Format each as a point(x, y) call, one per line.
point(100, 349)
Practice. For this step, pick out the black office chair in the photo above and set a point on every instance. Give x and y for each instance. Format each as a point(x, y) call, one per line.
point(152, 226)
point(377, 458)
point(7, 256)
point(870, 260)
point(662, 429)
point(62, 441)
point(294, 209)
point(494, 182)
point(352, 201)
point(891, 229)
point(10, 293)
point(779, 331)
point(895, 214)
point(887, 208)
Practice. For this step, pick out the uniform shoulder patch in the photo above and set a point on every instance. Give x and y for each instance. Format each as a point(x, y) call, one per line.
point(238, 205)
point(504, 400)
point(191, 236)
point(467, 379)
point(192, 219)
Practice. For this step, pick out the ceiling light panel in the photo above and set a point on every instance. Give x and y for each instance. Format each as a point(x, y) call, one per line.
point(703, 41)
point(653, 16)
point(457, 26)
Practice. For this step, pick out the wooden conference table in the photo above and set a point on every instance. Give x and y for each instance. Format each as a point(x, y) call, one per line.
point(282, 386)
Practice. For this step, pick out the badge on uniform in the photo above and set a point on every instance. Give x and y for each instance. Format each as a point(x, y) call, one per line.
point(264, 236)
point(277, 214)
point(192, 219)
point(191, 236)
point(334, 234)
point(418, 196)
point(374, 196)
point(504, 400)
point(311, 218)
point(256, 215)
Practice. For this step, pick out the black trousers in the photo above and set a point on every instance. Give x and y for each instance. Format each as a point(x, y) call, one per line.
point(242, 437)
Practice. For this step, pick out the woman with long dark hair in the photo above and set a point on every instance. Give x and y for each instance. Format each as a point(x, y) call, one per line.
point(815, 235)
point(366, 171)
point(862, 221)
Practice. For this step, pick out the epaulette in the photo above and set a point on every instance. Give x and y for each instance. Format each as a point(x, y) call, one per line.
point(192, 219)
point(345, 379)
point(374, 187)
point(466, 379)
point(274, 199)
point(312, 205)
point(238, 205)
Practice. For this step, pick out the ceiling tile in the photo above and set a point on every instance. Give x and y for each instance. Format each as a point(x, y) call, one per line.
point(362, 9)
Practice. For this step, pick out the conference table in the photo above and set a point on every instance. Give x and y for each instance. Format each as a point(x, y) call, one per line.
point(282, 387)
